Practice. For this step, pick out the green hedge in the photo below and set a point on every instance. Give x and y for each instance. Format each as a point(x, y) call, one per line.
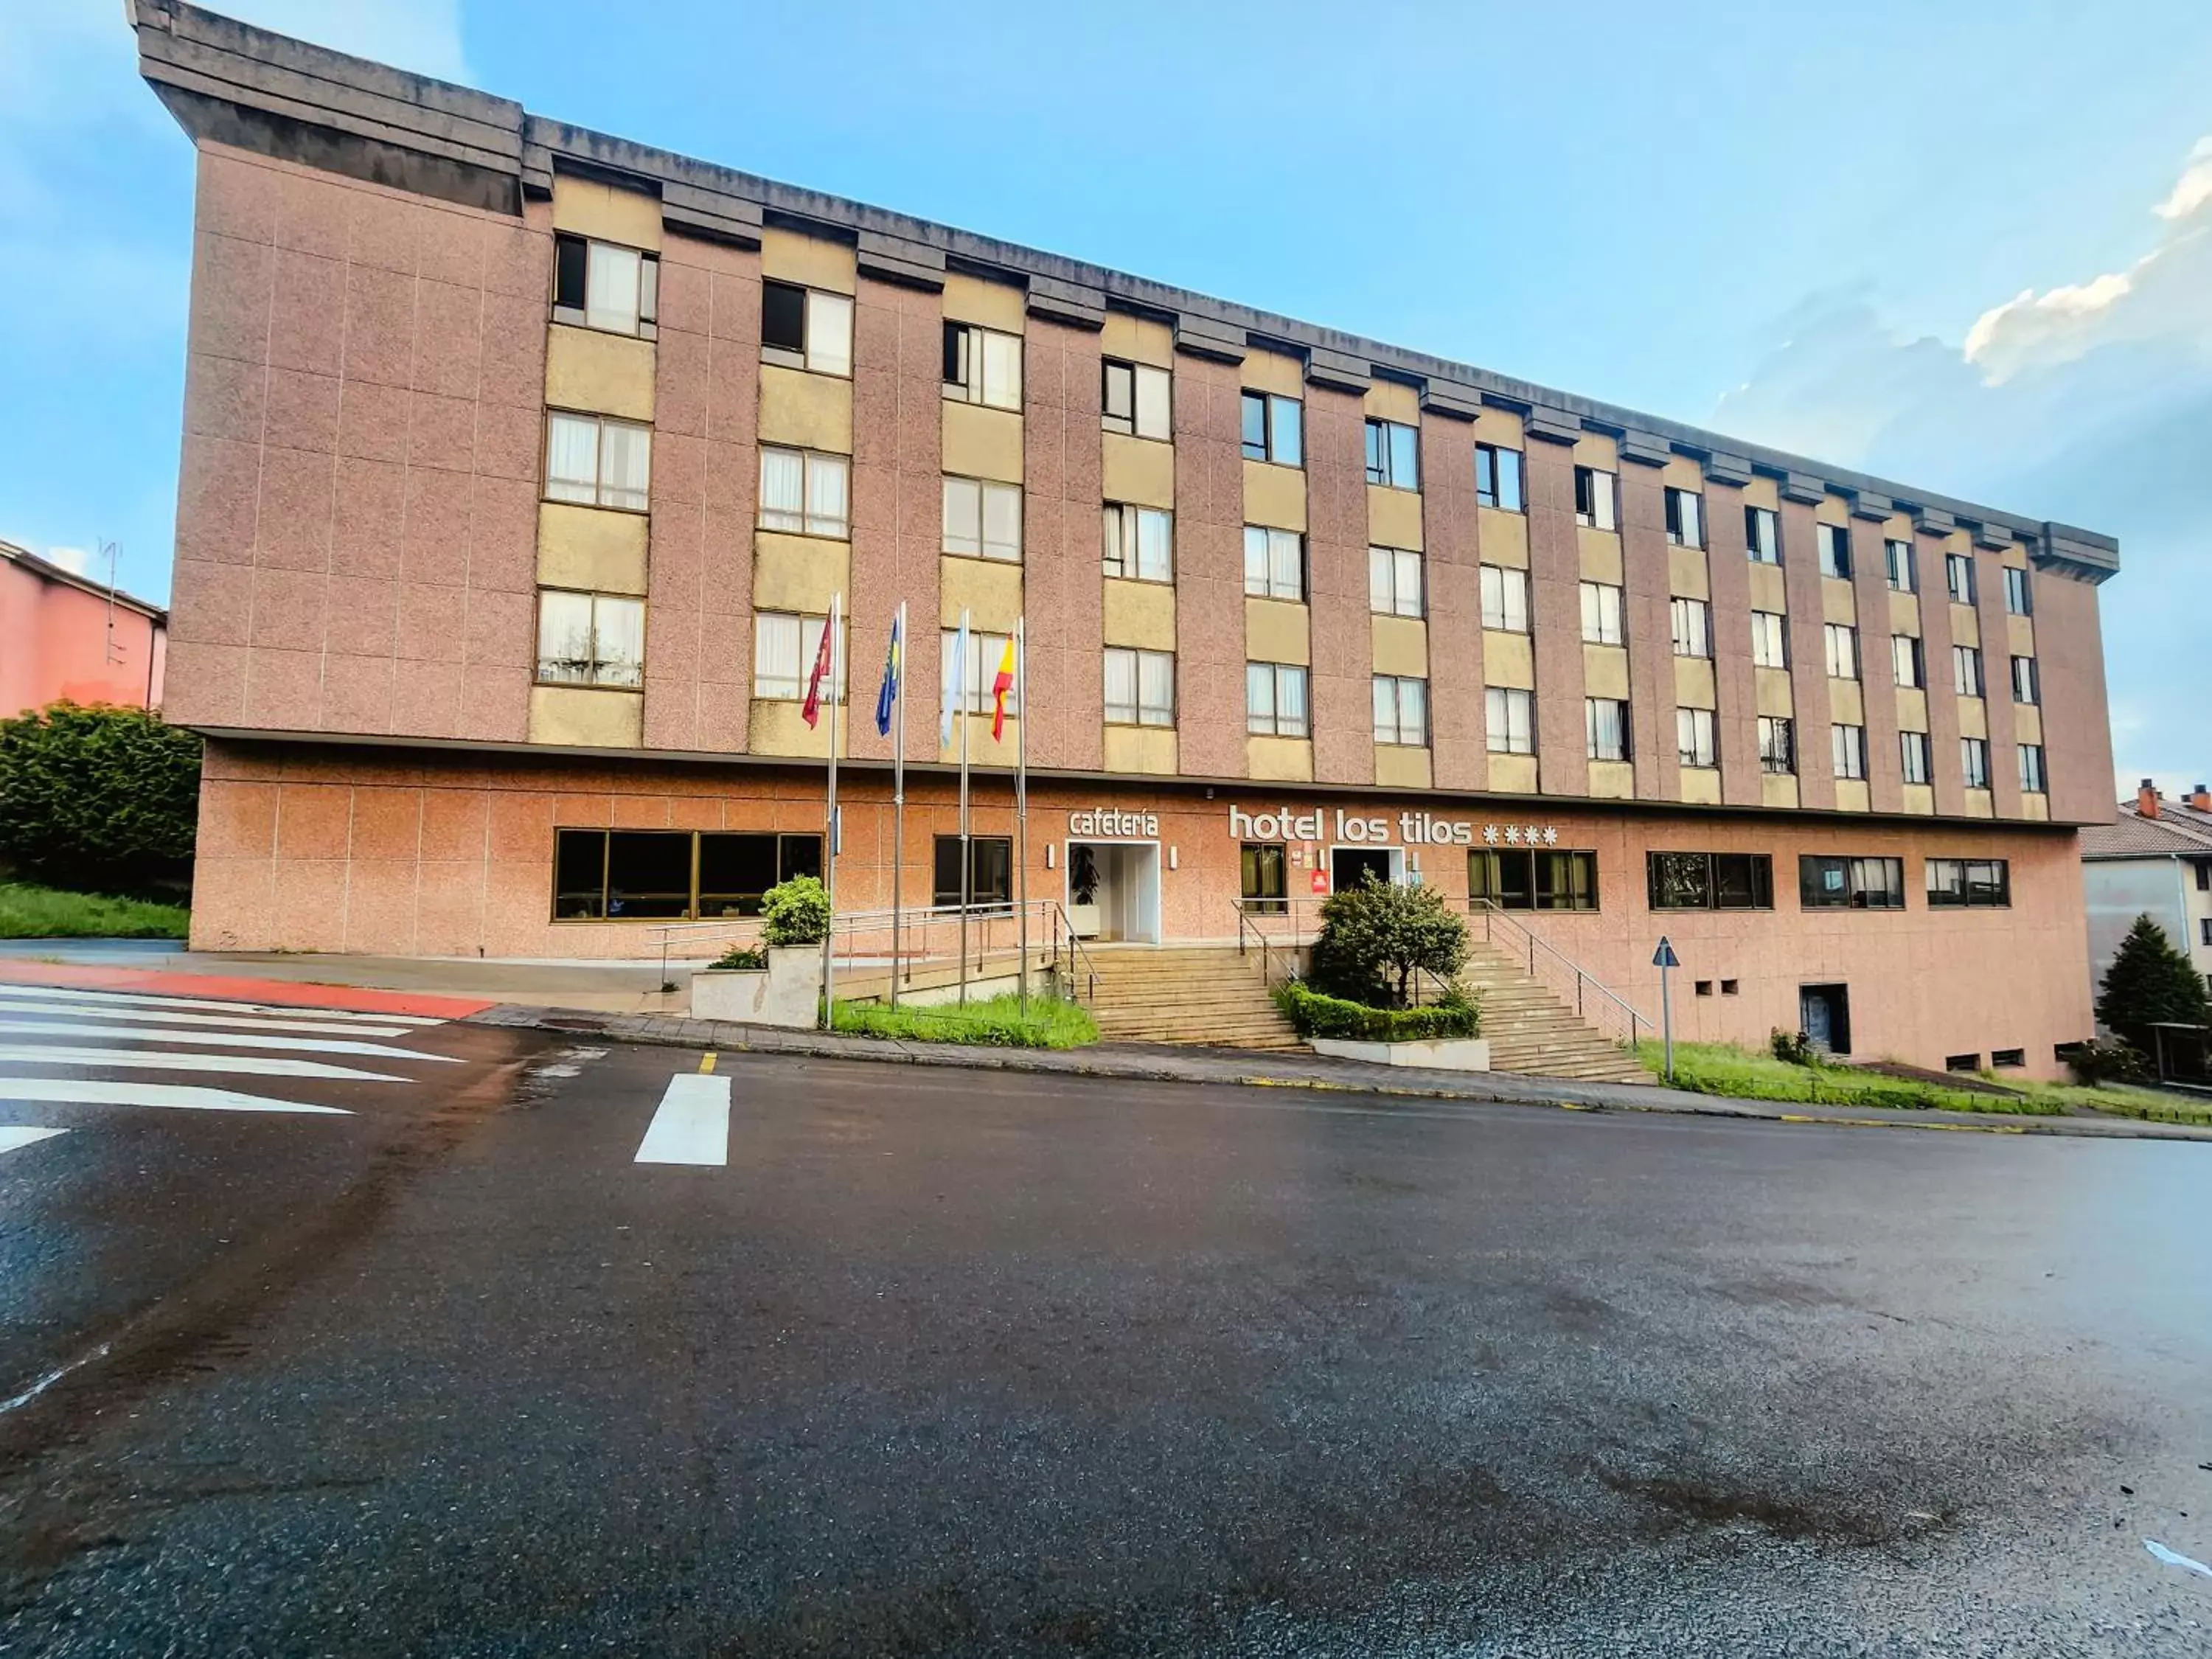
point(1319, 1015)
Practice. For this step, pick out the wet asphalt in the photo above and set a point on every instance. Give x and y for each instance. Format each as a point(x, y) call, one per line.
point(968, 1362)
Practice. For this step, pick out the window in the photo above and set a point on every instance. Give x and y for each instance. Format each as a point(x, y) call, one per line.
point(1833, 542)
point(1710, 881)
point(1842, 642)
point(1274, 564)
point(1849, 745)
point(1512, 720)
point(1394, 582)
point(1139, 687)
point(1898, 565)
point(1596, 498)
point(786, 648)
point(1140, 543)
point(1958, 577)
point(1967, 670)
point(1969, 884)
point(652, 875)
point(1693, 738)
point(1514, 879)
point(1497, 478)
point(2032, 778)
point(1912, 751)
point(804, 491)
point(1136, 401)
point(2204, 930)
point(599, 285)
point(1974, 762)
point(1777, 744)
point(590, 639)
point(1274, 429)
point(1505, 598)
point(1393, 455)
point(1692, 624)
point(983, 520)
point(990, 871)
point(2026, 686)
point(1605, 727)
point(1275, 700)
point(2015, 584)
point(1905, 660)
point(2204, 875)
point(2007, 1059)
point(1839, 884)
point(1600, 614)
point(1762, 535)
point(804, 328)
point(1962, 1062)
point(1686, 517)
point(1264, 883)
point(985, 651)
point(1770, 640)
point(1401, 710)
point(596, 461)
point(982, 366)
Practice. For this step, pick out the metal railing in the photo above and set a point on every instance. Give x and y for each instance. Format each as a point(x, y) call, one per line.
point(1589, 996)
point(1285, 939)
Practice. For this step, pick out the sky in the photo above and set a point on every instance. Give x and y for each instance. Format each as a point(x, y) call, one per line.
point(1968, 246)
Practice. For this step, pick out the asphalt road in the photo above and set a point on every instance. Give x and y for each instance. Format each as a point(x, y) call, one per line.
point(948, 1362)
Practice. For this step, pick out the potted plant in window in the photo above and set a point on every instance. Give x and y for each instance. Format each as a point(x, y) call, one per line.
point(1083, 891)
point(779, 982)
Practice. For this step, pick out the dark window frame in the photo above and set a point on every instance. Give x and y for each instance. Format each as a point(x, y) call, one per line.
point(1832, 546)
point(1384, 454)
point(1489, 463)
point(1528, 878)
point(1269, 445)
point(1952, 885)
point(1676, 535)
point(1706, 881)
point(1107, 368)
point(793, 853)
point(1851, 893)
point(1001, 851)
point(572, 285)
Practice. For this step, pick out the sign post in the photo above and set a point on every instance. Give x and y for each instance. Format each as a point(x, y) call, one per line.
point(1664, 958)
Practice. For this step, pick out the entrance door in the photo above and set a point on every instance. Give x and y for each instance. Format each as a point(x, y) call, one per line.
point(1349, 865)
point(1824, 1013)
point(1114, 890)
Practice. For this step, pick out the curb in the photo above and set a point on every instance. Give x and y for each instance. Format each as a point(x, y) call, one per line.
point(892, 1051)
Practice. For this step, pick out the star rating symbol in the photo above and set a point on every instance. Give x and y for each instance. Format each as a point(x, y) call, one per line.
point(1513, 835)
point(1551, 836)
point(1490, 834)
point(1532, 835)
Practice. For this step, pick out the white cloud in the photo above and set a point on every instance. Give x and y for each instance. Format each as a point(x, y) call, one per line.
point(2194, 188)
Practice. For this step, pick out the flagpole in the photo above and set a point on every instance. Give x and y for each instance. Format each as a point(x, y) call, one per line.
point(898, 789)
point(1022, 800)
point(960, 695)
point(829, 861)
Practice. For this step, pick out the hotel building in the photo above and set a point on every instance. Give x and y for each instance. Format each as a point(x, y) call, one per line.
point(521, 463)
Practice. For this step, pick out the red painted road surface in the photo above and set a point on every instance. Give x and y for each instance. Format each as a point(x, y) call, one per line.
point(354, 999)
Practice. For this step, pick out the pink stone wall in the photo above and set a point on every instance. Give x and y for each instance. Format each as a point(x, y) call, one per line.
point(1450, 532)
point(1649, 624)
point(1336, 576)
point(1877, 667)
point(1942, 684)
point(1727, 566)
point(1555, 615)
point(1209, 530)
point(2077, 735)
point(1808, 658)
point(1062, 579)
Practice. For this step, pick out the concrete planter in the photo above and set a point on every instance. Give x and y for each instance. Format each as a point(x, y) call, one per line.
point(1082, 921)
point(1437, 1054)
point(788, 991)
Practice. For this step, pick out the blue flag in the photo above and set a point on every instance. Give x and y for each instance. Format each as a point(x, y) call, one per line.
point(894, 671)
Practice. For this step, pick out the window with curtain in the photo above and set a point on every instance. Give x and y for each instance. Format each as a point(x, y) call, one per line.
point(1394, 582)
point(982, 366)
point(1967, 670)
point(1601, 614)
point(1263, 882)
point(590, 639)
point(1912, 756)
point(2015, 591)
point(1605, 728)
point(1685, 518)
point(1898, 566)
point(1273, 428)
point(1762, 535)
point(1135, 400)
point(2032, 778)
point(1692, 624)
point(1974, 762)
point(1849, 746)
point(785, 647)
point(1522, 878)
point(984, 653)
point(806, 328)
point(1275, 700)
point(1777, 744)
point(604, 286)
point(1497, 478)
point(805, 491)
point(595, 460)
point(1826, 883)
point(1274, 563)
point(1906, 661)
point(1401, 710)
point(1394, 455)
point(983, 520)
point(1140, 543)
point(1596, 498)
point(1504, 599)
point(1770, 640)
point(1843, 644)
point(1833, 545)
point(1139, 687)
point(1511, 716)
point(1693, 738)
point(2026, 685)
point(1958, 577)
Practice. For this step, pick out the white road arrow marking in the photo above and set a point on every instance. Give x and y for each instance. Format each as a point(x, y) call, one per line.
point(13, 1136)
point(693, 1123)
point(150, 1000)
point(154, 1060)
point(89, 1091)
point(214, 1039)
point(236, 1021)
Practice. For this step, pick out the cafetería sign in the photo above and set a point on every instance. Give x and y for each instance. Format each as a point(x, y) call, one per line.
point(1112, 823)
point(1412, 828)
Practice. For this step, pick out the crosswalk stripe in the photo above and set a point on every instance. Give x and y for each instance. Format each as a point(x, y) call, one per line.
point(692, 1125)
point(13, 1136)
point(216, 1039)
point(150, 1000)
point(154, 1060)
point(91, 1091)
point(238, 1022)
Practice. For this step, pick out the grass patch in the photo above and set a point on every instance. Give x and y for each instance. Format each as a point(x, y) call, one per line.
point(29, 912)
point(2146, 1105)
point(1722, 1068)
point(994, 1022)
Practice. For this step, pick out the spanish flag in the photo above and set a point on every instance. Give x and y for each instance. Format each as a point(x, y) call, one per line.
point(999, 687)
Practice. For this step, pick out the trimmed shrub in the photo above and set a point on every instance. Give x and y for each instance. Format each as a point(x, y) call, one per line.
point(795, 912)
point(1317, 1014)
point(742, 957)
point(2095, 1063)
point(100, 800)
point(1376, 936)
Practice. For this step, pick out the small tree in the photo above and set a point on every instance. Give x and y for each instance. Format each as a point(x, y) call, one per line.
point(100, 799)
point(1376, 936)
point(795, 912)
point(2149, 983)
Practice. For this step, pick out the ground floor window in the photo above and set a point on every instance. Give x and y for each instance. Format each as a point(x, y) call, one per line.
point(1266, 882)
point(1958, 883)
point(1711, 881)
point(671, 875)
point(1834, 883)
point(1523, 879)
point(990, 869)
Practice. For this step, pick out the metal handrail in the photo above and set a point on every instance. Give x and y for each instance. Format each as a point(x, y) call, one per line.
point(1587, 985)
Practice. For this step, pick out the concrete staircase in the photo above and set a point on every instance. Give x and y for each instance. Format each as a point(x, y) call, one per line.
point(1185, 994)
point(1532, 1032)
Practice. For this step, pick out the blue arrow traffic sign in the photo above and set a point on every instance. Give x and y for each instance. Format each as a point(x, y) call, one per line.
point(1664, 957)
